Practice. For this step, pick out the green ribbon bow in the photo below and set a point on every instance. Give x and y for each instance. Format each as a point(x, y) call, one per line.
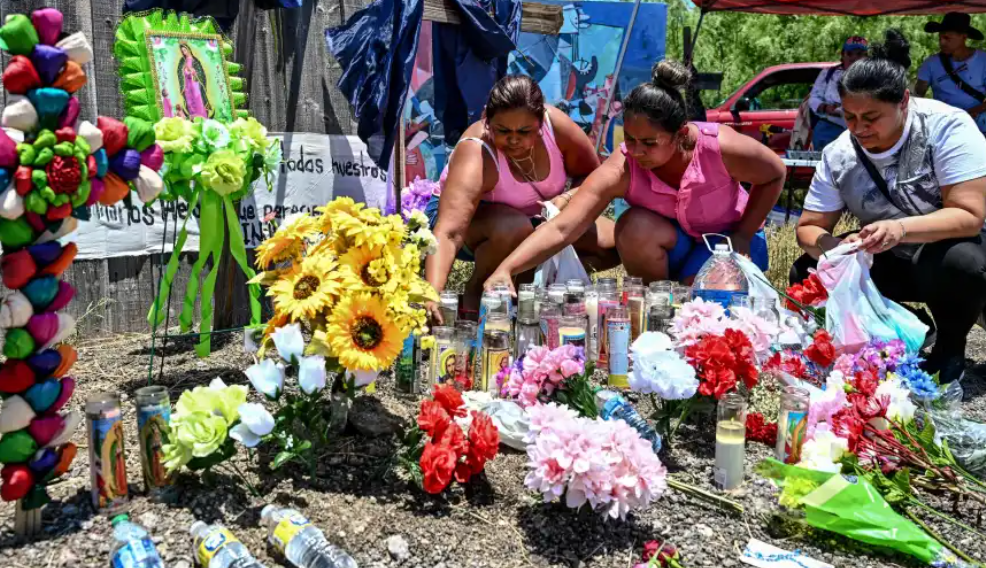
point(218, 213)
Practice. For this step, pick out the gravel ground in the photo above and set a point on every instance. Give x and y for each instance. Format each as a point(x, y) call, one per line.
point(383, 522)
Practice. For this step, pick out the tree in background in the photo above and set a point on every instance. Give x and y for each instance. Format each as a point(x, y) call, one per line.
point(742, 45)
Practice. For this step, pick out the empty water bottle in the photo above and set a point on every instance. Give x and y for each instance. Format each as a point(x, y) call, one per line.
point(301, 543)
point(612, 406)
point(133, 548)
point(721, 279)
point(214, 546)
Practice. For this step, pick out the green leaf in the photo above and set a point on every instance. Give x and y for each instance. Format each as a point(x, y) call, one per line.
point(223, 453)
point(282, 458)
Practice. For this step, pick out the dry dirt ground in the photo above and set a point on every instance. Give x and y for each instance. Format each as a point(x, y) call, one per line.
point(385, 522)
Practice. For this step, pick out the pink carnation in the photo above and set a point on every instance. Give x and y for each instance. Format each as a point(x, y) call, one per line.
point(541, 371)
point(605, 464)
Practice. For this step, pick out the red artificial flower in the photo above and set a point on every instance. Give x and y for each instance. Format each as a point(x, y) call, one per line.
point(455, 440)
point(759, 430)
point(821, 351)
point(666, 553)
point(433, 420)
point(437, 464)
point(450, 399)
point(787, 363)
point(811, 292)
point(848, 425)
point(865, 382)
point(64, 174)
point(484, 442)
point(814, 291)
point(722, 361)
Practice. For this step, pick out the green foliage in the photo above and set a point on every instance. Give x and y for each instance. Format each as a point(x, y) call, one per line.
point(742, 45)
point(578, 392)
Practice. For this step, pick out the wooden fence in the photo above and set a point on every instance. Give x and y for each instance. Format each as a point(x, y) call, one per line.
point(291, 82)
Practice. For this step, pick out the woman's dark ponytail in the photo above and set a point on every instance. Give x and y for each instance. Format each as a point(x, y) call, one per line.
point(661, 100)
point(883, 75)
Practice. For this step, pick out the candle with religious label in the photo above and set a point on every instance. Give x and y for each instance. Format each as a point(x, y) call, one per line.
point(618, 346)
point(107, 463)
point(496, 351)
point(153, 416)
point(443, 365)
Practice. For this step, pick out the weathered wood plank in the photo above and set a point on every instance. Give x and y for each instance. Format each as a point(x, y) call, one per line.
point(106, 16)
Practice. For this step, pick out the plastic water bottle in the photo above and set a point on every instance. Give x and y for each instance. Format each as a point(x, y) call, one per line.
point(133, 548)
point(721, 278)
point(612, 406)
point(215, 547)
point(304, 545)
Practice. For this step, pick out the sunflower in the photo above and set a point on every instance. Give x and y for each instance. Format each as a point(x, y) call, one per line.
point(308, 288)
point(287, 242)
point(361, 334)
point(369, 267)
point(343, 205)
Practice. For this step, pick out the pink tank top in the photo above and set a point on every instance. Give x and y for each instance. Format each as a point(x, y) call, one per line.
point(522, 195)
point(709, 199)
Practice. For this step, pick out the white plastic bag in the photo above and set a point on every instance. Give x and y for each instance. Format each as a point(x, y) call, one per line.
point(759, 285)
point(856, 312)
point(564, 266)
point(509, 418)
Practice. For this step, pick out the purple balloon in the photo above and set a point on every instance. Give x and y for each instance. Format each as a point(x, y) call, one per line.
point(126, 164)
point(70, 114)
point(152, 157)
point(49, 61)
point(42, 464)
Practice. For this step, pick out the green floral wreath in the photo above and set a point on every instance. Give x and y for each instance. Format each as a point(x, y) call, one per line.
point(137, 75)
point(207, 163)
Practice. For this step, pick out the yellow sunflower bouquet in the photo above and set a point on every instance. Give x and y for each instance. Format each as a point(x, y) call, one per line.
point(352, 277)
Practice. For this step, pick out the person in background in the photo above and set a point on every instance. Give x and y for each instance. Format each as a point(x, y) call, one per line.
point(957, 74)
point(824, 102)
point(681, 179)
point(913, 172)
point(522, 154)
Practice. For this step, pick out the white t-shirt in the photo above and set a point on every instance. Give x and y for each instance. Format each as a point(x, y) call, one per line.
point(956, 152)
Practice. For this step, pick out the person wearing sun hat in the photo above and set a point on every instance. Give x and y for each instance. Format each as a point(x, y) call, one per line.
point(824, 101)
point(957, 74)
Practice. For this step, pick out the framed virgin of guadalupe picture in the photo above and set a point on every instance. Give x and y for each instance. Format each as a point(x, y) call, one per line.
point(174, 65)
point(189, 73)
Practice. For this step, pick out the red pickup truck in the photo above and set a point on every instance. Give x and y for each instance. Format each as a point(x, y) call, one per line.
point(770, 99)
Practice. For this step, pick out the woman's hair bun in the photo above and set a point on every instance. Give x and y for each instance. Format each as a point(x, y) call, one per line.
point(671, 75)
point(895, 47)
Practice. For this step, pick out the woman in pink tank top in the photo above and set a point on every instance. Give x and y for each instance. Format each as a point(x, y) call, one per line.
point(504, 167)
point(681, 180)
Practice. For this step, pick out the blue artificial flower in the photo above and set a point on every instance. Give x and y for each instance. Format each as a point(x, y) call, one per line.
point(922, 386)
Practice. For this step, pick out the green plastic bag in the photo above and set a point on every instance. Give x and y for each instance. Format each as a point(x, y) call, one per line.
point(855, 509)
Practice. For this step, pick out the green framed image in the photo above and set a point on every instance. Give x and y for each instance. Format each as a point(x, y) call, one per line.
point(176, 65)
point(189, 72)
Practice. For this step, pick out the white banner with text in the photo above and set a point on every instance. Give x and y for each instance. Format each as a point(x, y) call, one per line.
point(316, 168)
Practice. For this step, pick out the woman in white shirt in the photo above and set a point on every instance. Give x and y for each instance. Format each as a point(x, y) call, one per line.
point(913, 171)
point(825, 102)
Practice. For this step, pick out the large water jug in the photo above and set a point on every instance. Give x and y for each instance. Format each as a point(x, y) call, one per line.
point(721, 279)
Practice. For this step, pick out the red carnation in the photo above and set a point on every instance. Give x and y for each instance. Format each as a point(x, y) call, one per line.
point(722, 361)
point(64, 174)
point(437, 465)
point(484, 442)
point(455, 440)
point(814, 291)
point(821, 351)
point(759, 430)
point(433, 420)
point(450, 399)
point(865, 382)
point(667, 555)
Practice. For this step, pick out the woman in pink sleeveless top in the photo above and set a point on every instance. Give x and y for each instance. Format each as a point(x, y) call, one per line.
point(681, 180)
point(522, 154)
